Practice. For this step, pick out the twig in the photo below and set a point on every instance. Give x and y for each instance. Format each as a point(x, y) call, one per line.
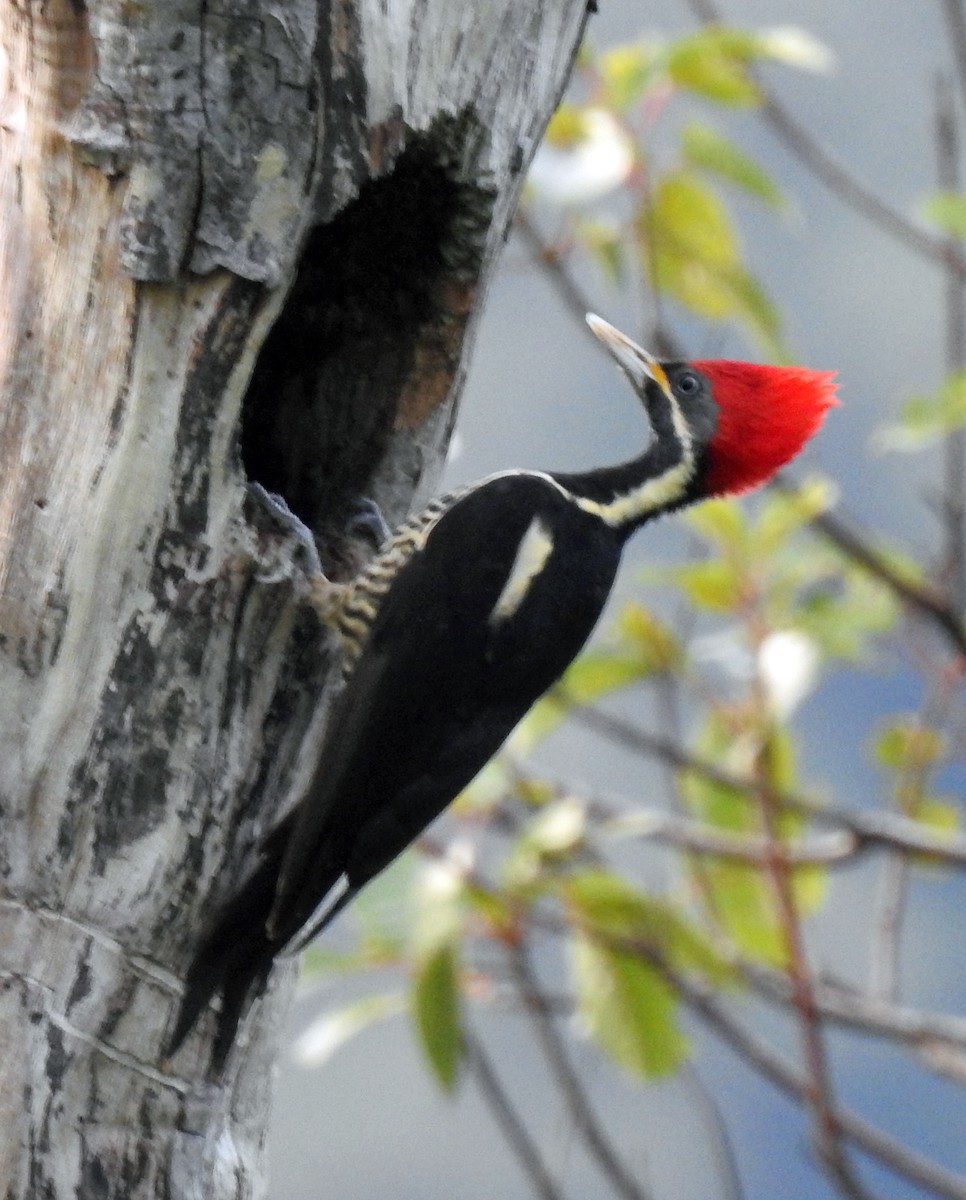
point(863, 1134)
point(954, 490)
point(820, 1096)
point(583, 1116)
point(573, 296)
point(886, 934)
point(956, 27)
point(721, 1145)
point(699, 997)
point(552, 264)
point(839, 181)
point(835, 1003)
point(699, 839)
point(508, 1119)
point(923, 599)
point(934, 1034)
point(871, 829)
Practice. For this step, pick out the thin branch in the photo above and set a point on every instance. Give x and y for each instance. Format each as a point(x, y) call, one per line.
point(956, 27)
point(583, 1116)
point(954, 489)
point(506, 1116)
point(938, 1039)
point(820, 1096)
point(871, 829)
point(886, 934)
point(699, 997)
point(923, 599)
point(839, 181)
point(721, 1145)
point(935, 1035)
point(551, 263)
point(697, 838)
point(862, 1133)
point(836, 1003)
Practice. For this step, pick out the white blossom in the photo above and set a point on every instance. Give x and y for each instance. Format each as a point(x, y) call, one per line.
point(586, 169)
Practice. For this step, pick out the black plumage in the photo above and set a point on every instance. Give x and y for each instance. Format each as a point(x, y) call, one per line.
point(473, 610)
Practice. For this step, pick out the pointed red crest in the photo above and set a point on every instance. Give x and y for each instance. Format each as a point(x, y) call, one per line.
point(766, 415)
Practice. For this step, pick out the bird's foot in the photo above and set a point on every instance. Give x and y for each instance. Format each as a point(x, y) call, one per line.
point(288, 550)
point(284, 527)
point(367, 522)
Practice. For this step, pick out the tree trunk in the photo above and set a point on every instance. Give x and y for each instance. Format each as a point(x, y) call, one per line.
point(248, 243)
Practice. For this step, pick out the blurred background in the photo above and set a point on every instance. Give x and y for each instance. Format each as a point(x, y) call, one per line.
point(372, 1120)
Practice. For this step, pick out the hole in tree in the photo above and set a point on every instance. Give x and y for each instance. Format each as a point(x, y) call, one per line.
point(371, 288)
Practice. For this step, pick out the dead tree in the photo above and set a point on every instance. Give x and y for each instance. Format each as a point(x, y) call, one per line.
point(236, 244)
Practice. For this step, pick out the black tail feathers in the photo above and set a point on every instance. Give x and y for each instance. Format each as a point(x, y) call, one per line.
point(236, 955)
point(234, 959)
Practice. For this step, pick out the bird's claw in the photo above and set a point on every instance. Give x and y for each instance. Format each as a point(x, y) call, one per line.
point(366, 521)
point(304, 555)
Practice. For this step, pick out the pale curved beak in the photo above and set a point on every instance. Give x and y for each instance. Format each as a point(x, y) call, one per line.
point(635, 362)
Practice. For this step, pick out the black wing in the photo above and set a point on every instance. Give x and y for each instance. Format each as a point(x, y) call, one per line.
point(441, 683)
point(439, 686)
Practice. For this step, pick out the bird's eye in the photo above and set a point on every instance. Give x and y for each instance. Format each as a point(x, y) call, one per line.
point(687, 384)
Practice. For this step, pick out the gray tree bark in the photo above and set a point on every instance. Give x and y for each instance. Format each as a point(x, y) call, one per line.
point(236, 242)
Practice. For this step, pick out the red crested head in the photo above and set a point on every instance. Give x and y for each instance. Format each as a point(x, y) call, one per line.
point(765, 416)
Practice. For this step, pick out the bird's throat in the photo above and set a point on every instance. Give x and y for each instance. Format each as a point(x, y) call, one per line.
point(627, 495)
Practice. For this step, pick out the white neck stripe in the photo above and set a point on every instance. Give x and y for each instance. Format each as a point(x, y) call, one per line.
point(654, 493)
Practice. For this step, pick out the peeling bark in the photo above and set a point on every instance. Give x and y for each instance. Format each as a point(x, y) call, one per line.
point(246, 242)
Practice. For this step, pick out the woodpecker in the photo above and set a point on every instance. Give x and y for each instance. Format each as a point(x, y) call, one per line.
point(465, 618)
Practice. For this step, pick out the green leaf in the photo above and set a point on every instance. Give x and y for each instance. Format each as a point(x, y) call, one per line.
point(844, 609)
point(713, 584)
point(567, 127)
point(686, 220)
point(627, 1008)
point(689, 249)
point(743, 903)
point(607, 244)
point(435, 998)
point(712, 62)
point(783, 514)
point(704, 147)
point(741, 897)
point(626, 72)
point(924, 419)
point(613, 908)
point(722, 522)
point(556, 832)
point(597, 673)
point(653, 643)
point(941, 816)
point(947, 211)
point(908, 745)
